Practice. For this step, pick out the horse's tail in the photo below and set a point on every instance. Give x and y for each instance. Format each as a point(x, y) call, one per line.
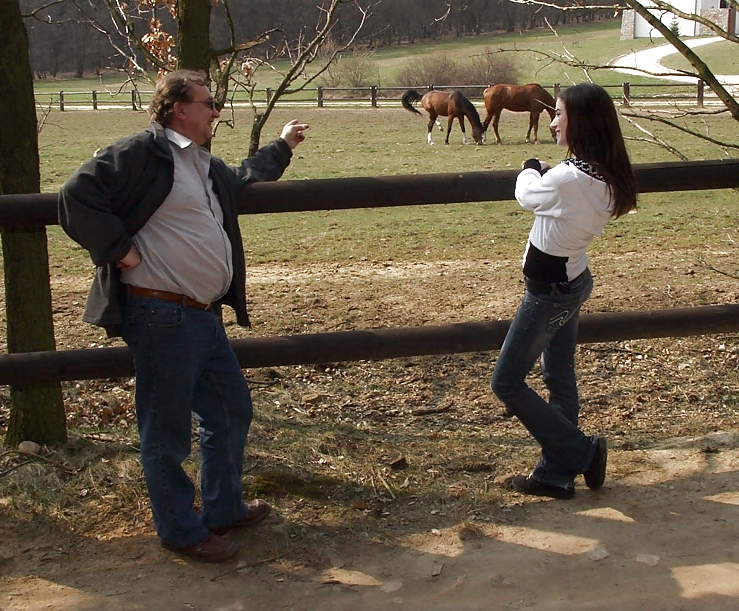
point(469, 110)
point(409, 98)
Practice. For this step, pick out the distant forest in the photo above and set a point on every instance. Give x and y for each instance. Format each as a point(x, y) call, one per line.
point(79, 38)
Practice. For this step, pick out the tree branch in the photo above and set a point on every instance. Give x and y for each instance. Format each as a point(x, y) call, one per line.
point(328, 61)
point(654, 139)
point(308, 54)
point(707, 265)
point(669, 121)
point(34, 13)
point(125, 28)
point(245, 46)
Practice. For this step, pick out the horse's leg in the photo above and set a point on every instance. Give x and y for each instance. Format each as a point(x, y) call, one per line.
point(448, 128)
point(439, 125)
point(496, 120)
point(486, 122)
point(461, 126)
point(533, 125)
point(432, 119)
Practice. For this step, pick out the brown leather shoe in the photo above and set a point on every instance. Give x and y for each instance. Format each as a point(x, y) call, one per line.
point(257, 511)
point(211, 549)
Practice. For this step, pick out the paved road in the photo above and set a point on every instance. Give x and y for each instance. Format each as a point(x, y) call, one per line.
point(648, 62)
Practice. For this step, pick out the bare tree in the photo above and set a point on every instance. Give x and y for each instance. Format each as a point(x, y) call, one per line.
point(145, 26)
point(306, 52)
point(36, 413)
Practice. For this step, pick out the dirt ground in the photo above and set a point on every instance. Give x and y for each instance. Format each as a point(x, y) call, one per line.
point(664, 537)
point(445, 532)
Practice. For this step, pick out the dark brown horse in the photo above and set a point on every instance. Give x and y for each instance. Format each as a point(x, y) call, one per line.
point(450, 104)
point(531, 98)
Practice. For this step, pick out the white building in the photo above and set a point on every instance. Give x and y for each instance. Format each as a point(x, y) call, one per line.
point(635, 26)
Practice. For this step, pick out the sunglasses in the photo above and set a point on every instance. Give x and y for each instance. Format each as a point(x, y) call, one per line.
point(212, 104)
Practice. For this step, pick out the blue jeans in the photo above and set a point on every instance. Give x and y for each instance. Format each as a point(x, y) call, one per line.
point(545, 326)
point(184, 364)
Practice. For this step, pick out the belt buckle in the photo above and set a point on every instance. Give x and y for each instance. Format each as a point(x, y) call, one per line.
point(564, 287)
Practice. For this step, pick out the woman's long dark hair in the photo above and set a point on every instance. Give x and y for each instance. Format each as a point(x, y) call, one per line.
point(594, 135)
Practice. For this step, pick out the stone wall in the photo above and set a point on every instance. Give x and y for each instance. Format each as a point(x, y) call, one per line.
point(719, 16)
point(628, 20)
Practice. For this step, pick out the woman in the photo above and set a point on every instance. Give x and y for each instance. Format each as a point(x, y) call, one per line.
point(572, 203)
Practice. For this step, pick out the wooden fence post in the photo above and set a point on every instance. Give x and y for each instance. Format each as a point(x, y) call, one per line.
point(268, 94)
point(557, 89)
point(320, 97)
point(133, 99)
point(61, 100)
point(373, 95)
point(94, 100)
point(627, 93)
point(700, 93)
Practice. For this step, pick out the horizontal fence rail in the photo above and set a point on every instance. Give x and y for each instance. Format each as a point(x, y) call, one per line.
point(26, 369)
point(19, 212)
point(366, 95)
point(34, 210)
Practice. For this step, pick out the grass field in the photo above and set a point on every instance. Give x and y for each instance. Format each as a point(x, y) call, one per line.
point(371, 142)
point(722, 57)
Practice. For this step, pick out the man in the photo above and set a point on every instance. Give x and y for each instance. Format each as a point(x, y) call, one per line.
point(158, 215)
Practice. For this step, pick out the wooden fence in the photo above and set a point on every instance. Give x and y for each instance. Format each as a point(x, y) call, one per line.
point(23, 211)
point(372, 95)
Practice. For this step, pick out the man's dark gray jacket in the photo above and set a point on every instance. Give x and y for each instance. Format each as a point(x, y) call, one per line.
point(111, 197)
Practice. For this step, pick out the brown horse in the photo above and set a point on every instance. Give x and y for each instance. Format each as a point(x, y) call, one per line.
point(531, 98)
point(450, 104)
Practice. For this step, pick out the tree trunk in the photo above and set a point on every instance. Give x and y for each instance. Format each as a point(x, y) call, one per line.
point(36, 414)
point(81, 38)
point(260, 119)
point(193, 30)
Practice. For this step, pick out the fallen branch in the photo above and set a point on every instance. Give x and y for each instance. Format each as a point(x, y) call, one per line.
point(384, 483)
point(241, 566)
point(707, 265)
point(425, 411)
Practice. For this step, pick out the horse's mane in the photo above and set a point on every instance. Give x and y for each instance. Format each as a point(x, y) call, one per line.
point(547, 101)
point(469, 110)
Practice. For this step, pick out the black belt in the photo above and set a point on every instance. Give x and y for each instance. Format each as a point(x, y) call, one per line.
point(539, 287)
point(138, 291)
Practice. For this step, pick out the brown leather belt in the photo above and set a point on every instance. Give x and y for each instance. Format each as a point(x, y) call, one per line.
point(138, 291)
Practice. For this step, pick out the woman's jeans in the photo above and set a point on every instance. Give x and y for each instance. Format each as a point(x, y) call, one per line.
point(184, 364)
point(546, 325)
